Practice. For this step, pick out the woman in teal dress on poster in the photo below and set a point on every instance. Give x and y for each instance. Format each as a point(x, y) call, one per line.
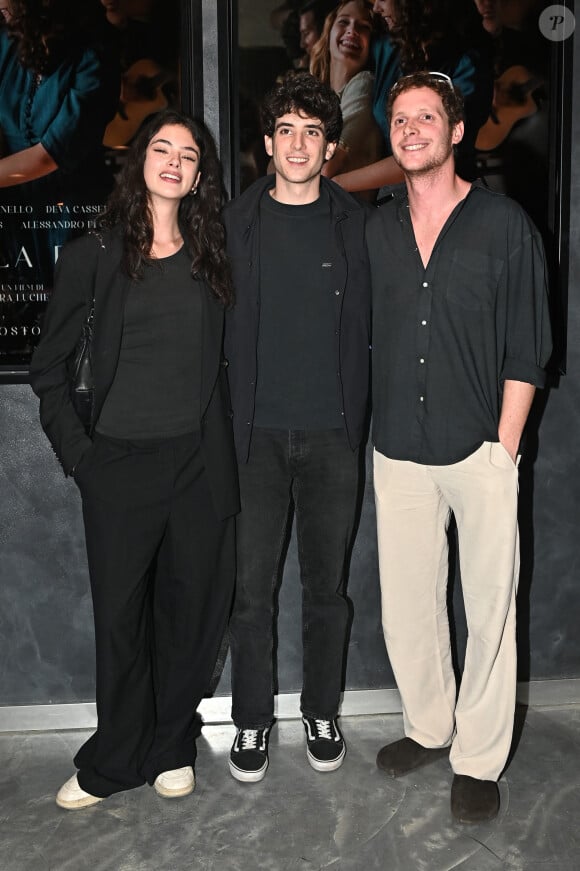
point(59, 87)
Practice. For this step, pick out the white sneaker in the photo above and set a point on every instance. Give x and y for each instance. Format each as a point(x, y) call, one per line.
point(175, 783)
point(71, 797)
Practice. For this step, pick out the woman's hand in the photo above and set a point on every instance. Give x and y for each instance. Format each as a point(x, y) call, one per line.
point(26, 165)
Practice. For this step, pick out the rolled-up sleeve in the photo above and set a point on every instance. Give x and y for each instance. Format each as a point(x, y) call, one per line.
point(528, 330)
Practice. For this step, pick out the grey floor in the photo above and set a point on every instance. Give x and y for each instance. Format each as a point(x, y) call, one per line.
point(354, 819)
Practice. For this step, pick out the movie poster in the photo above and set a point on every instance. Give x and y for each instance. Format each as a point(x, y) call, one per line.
point(75, 85)
point(495, 51)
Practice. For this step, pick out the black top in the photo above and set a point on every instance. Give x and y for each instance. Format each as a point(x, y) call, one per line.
point(446, 337)
point(156, 390)
point(297, 386)
point(350, 303)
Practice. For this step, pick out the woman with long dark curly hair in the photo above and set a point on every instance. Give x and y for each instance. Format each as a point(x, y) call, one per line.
point(156, 468)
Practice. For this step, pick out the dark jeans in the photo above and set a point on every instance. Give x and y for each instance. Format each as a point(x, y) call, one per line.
point(161, 565)
point(318, 474)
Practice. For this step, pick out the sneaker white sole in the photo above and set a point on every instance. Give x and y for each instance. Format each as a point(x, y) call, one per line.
point(248, 776)
point(164, 792)
point(71, 797)
point(77, 804)
point(175, 783)
point(330, 765)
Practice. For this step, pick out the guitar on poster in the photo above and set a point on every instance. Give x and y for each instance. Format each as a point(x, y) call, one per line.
point(142, 94)
point(513, 100)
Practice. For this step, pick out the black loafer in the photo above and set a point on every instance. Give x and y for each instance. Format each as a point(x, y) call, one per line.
point(474, 801)
point(407, 755)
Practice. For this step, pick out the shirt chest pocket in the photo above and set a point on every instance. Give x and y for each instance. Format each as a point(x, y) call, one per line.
point(472, 280)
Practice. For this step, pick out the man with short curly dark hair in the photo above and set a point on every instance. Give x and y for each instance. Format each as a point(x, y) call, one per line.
point(297, 344)
point(301, 93)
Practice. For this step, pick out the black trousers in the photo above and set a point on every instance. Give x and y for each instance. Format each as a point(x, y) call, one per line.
point(161, 566)
point(316, 474)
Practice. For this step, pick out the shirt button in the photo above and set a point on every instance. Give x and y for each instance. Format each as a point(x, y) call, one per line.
point(337, 292)
point(425, 284)
point(423, 323)
point(422, 399)
point(421, 360)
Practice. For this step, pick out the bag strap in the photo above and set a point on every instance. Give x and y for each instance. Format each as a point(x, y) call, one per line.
point(91, 308)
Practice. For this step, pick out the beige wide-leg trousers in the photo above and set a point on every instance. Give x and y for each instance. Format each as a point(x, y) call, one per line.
point(414, 504)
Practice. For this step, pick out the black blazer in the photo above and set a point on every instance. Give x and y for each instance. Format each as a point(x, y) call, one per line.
point(89, 261)
point(352, 306)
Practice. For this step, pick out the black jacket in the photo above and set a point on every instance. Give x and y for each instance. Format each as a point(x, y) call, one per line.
point(352, 311)
point(81, 263)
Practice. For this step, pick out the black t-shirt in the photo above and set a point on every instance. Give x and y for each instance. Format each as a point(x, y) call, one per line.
point(156, 390)
point(297, 385)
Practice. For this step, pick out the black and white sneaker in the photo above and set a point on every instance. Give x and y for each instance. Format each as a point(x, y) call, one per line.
point(325, 746)
point(249, 755)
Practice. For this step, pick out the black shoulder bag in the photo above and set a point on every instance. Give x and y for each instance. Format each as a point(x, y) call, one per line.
point(80, 369)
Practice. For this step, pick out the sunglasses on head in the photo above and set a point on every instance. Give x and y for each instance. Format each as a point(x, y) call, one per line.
point(432, 75)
